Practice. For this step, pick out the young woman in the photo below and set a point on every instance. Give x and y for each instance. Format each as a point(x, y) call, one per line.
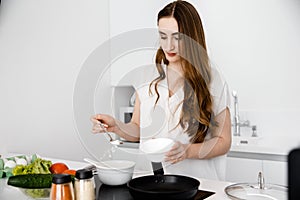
point(186, 100)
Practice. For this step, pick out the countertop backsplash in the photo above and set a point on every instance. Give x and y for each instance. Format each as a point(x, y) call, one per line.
point(278, 127)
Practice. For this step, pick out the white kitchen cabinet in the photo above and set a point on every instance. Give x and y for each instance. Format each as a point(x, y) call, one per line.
point(275, 172)
point(246, 170)
point(241, 170)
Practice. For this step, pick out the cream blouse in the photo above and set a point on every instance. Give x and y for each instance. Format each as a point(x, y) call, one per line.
point(161, 121)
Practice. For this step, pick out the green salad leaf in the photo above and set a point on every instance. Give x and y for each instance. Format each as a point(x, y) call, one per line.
point(8, 171)
point(1, 164)
point(38, 166)
point(33, 157)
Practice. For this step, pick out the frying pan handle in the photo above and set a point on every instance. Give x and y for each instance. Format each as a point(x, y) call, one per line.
point(157, 168)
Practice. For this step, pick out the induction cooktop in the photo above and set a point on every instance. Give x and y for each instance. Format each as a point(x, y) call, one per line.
point(106, 192)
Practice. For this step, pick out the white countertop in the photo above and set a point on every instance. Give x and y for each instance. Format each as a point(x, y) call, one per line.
point(214, 186)
point(8, 192)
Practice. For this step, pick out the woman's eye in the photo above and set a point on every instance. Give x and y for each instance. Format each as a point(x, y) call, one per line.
point(177, 37)
point(163, 37)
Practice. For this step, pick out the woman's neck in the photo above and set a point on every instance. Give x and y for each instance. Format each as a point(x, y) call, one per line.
point(175, 77)
point(176, 67)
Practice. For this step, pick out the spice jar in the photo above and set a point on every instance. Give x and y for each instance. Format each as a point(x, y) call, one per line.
point(62, 187)
point(84, 185)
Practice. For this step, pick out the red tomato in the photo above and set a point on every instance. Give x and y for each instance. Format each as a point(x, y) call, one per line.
point(58, 168)
point(70, 171)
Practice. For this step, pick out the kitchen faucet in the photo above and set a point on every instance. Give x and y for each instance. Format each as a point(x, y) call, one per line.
point(237, 123)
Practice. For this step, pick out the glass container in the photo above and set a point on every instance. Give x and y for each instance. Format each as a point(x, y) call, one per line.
point(84, 185)
point(62, 187)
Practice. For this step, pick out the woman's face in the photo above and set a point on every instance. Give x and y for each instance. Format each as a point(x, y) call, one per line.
point(169, 38)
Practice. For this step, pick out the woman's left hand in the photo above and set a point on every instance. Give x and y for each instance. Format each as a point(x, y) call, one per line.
point(177, 153)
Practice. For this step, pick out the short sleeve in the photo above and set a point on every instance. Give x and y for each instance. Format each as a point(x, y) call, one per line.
point(220, 92)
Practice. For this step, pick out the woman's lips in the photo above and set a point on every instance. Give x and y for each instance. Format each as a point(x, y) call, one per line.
point(171, 54)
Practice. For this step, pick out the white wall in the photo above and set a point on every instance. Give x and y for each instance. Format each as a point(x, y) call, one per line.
point(254, 43)
point(43, 44)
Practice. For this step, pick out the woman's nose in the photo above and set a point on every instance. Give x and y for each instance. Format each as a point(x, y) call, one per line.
point(170, 45)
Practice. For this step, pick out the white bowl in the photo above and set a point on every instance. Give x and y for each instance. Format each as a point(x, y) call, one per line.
point(115, 172)
point(155, 149)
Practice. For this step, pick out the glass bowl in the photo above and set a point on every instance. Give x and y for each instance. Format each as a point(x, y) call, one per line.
point(249, 191)
point(40, 193)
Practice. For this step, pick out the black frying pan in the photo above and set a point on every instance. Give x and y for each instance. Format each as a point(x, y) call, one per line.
point(160, 186)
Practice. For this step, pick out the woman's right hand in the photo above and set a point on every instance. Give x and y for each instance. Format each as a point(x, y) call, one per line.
point(108, 122)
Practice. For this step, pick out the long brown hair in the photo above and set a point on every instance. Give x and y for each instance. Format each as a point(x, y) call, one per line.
point(196, 115)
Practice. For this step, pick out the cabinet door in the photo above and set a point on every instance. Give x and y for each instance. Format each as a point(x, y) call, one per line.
point(275, 172)
point(241, 170)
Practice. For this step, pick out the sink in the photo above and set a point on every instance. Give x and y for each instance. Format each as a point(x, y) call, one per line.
point(277, 145)
point(245, 140)
point(249, 144)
